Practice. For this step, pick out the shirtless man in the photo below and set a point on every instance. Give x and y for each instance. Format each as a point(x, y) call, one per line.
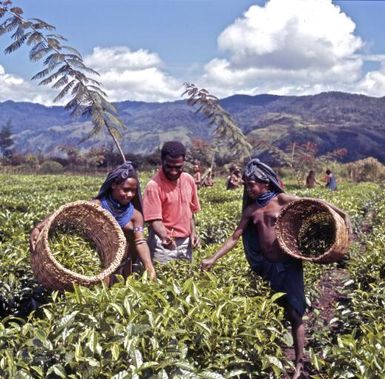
point(262, 202)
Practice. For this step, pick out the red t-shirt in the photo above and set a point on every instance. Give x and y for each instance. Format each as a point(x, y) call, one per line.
point(173, 202)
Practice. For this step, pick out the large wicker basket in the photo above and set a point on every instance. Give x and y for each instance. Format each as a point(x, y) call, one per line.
point(290, 221)
point(98, 226)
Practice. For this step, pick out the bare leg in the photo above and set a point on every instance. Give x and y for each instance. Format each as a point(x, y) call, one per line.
point(298, 333)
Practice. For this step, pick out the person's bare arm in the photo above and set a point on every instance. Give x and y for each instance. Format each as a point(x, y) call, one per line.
point(141, 244)
point(195, 240)
point(161, 231)
point(144, 255)
point(229, 243)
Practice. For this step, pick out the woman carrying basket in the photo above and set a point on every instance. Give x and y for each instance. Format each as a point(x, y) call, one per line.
point(263, 200)
point(120, 195)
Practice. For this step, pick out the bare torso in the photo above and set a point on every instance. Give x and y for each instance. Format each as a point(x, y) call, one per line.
point(264, 220)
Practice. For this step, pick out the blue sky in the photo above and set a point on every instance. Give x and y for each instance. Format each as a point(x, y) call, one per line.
point(146, 49)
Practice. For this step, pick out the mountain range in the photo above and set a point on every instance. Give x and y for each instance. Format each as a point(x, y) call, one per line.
point(331, 120)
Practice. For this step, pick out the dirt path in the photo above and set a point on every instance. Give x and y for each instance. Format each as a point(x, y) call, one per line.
point(329, 288)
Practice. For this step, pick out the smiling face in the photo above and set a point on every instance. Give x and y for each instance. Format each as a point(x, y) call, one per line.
point(173, 167)
point(255, 189)
point(125, 191)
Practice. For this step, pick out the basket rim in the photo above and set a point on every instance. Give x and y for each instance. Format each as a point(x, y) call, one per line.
point(74, 275)
point(282, 242)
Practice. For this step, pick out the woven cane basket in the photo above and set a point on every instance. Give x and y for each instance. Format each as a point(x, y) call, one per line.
point(291, 219)
point(98, 226)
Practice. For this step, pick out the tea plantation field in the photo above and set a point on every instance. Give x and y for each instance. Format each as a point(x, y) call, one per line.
point(188, 324)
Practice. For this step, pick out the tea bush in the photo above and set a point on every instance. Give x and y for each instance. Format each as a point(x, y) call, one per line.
point(219, 324)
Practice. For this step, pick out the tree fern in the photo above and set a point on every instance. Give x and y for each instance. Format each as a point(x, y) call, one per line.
point(64, 70)
point(227, 133)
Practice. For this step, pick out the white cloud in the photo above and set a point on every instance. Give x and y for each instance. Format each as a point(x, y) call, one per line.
point(288, 47)
point(15, 88)
point(124, 75)
point(133, 75)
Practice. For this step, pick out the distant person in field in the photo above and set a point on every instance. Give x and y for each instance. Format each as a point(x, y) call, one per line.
point(120, 195)
point(263, 200)
point(331, 181)
point(234, 180)
point(207, 179)
point(197, 175)
point(169, 203)
point(311, 180)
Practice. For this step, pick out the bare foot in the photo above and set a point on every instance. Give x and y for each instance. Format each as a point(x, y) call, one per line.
point(298, 373)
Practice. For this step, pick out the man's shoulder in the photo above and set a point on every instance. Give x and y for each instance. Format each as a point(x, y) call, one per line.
point(153, 183)
point(186, 177)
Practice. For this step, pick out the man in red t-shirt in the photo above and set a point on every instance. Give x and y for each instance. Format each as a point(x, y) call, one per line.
point(169, 203)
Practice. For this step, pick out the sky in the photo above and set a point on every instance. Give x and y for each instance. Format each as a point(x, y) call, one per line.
point(145, 50)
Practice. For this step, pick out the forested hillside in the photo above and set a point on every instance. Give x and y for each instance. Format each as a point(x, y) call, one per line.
point(331, 120)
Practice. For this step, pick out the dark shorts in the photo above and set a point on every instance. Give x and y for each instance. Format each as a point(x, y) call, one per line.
point(284, 277)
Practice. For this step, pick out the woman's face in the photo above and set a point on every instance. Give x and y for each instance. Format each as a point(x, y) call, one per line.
point(255, 189)
point(124, 192)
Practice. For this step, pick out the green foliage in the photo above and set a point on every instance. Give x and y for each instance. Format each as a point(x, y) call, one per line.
point(219, 324)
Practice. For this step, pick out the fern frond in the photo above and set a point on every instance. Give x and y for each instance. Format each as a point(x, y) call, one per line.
point(57, 36)
point(64, 91)
point(16, 10)
point(75, 89)
point(26, 24)
point(17, 44)
point(2, 11)
point(97, 90)
point(108, 106)
point(54, 43)
point(115, 120)
point(73, 103)
point(54, 76)
point(38, 51)
point(40, 24)
point(19, 32)
point(46, 71)
point(61, 82)
point(9, 24)
point(53, 59)
point(35, 38)
point(74, 51)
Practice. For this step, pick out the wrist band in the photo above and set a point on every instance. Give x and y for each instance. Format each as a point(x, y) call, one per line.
point(138, 229)
point(139, 241)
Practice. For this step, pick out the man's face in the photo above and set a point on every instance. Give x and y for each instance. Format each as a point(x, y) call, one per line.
point(173, 167)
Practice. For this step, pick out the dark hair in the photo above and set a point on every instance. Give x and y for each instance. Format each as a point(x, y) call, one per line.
point(174, 149)
point(328, 171)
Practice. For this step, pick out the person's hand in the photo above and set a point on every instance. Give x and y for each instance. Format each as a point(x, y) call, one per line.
point(151, 273)
point(169, 243)
point(207, 263)
point(195, 240)
point(33, 238)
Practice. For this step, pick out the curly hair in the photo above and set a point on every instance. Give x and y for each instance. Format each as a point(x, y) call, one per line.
point(173, 149)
